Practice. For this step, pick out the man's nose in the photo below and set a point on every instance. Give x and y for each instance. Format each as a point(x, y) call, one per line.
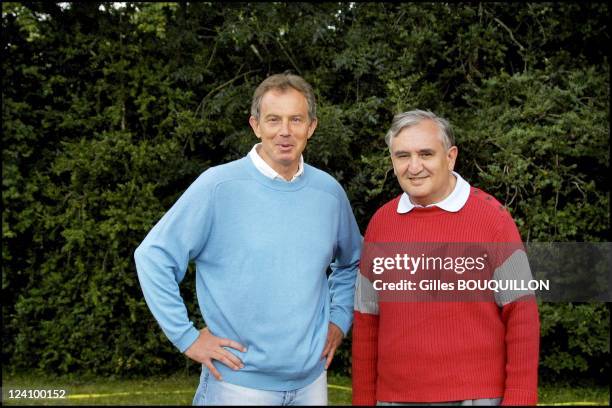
point(415, 165)
point(285, 128)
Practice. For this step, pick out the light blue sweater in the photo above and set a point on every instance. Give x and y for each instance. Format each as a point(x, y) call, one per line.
point(261, 249)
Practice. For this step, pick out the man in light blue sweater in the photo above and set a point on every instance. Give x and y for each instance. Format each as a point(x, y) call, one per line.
point(262, 231)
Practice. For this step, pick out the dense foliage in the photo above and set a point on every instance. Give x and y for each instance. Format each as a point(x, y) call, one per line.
point(110, 111)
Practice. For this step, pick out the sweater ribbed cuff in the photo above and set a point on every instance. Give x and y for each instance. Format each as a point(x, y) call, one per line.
point(513, 396)
point(187, 339)
point(342, 321)
point(364, 400)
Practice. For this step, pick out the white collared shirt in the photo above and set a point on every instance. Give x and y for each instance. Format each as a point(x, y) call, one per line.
point(265, 169)
point(452, 203)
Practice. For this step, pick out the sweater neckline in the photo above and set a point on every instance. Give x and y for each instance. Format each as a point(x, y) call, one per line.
point(276, 184)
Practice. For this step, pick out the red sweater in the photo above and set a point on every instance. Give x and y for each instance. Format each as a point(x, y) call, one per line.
point(445, 351)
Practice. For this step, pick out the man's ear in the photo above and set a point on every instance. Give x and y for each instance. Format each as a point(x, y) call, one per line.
point(312, 127)
point(451, 155)
point(254, 125)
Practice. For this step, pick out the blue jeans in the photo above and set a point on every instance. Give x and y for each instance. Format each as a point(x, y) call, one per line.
point(214, 392)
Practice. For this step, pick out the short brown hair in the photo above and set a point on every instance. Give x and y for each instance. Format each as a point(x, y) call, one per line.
point(283, 82)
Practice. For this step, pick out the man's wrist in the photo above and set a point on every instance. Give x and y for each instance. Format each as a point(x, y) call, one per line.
point(340, 326)
point(187, 339)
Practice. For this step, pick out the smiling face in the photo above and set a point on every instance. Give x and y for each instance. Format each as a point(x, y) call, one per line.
point(422, 164)
point(284, 128)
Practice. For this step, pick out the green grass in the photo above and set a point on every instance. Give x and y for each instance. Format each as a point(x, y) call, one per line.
point(172, 390)
point(178, 389)
point(566, 395)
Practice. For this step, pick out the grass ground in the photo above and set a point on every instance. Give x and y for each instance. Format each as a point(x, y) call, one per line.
point(178, 389)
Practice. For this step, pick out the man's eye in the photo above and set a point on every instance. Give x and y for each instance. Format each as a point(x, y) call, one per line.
point(297, 120)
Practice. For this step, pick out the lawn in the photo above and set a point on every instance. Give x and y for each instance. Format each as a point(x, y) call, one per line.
point(178, 389)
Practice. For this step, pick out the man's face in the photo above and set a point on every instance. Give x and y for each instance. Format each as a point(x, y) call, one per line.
point(284, 128)
point(422, 164)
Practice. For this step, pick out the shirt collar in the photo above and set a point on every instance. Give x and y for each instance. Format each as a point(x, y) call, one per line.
point(265, 169)
point(452, 203)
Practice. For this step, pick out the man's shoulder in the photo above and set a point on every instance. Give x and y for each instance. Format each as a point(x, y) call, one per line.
point(324, 181)
point(215, 175)
point(484, 201)
point(483, 206)
point(485, 211)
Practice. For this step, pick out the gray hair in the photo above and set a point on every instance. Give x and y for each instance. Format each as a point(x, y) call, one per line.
point(283, 82)
point(414, 117)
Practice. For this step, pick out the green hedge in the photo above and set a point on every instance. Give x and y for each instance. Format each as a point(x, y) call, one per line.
point(110, 112)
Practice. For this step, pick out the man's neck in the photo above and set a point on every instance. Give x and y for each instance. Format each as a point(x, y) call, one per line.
point(286, 173)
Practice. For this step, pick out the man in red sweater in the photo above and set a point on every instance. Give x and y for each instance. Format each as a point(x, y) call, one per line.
point(466, 352)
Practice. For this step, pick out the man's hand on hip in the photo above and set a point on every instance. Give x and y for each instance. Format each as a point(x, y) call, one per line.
point(334, 338)
point(209, 347)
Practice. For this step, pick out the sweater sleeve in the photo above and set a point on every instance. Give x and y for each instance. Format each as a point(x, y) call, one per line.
point(522, 348)
point(365, 356)
point(344, 267)
point(365, 334)
point(520, 316)
point(163, 256)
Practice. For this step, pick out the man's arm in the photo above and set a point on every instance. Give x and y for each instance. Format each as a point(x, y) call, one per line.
point(161, 263)
point(162, 259)
point(344, 268)
point(342, 279)
point(365, 335)
point(365, 358)
point(520, 317)
point(522, 347)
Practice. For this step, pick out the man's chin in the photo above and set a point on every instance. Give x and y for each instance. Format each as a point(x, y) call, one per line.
point(286, 160)
point(415, 192)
